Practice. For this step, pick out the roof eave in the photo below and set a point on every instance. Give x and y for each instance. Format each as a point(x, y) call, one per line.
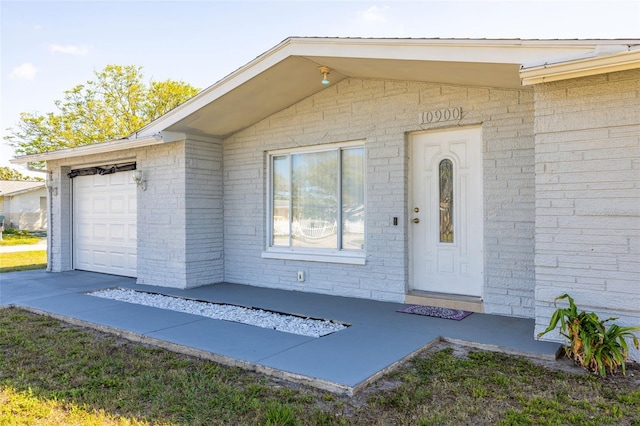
point(580, 68)
point(99, 148)
point(23, 191)
point(359, 47)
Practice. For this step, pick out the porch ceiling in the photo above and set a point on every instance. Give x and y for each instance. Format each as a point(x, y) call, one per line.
point(297, 77)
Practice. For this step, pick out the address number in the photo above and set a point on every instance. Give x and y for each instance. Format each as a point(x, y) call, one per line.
point(439, 115)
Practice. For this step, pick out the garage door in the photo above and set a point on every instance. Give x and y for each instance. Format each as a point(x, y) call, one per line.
point(104, 224)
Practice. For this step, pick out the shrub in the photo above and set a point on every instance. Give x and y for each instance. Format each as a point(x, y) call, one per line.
point(589, 342)
point(14, 231)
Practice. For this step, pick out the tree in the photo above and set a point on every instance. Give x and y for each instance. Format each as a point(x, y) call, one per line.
point(113, 106)
point(7, 173)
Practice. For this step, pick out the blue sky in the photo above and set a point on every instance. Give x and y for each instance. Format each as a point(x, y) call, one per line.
point(48, 47)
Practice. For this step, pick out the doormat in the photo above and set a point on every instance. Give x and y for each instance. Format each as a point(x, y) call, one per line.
point(432, 311)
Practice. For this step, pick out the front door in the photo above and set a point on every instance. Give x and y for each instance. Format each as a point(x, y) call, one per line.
point(446, 214)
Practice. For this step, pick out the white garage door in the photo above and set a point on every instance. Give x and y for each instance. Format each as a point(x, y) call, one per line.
point(104, 224)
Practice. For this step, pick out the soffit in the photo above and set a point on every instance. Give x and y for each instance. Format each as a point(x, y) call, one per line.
point(288, 73)
point(297, 77)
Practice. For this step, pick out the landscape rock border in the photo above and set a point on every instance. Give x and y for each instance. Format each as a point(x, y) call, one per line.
point(287, 323)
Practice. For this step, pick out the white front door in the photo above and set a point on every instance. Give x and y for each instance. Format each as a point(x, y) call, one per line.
point(104, 224)
point(446, 212)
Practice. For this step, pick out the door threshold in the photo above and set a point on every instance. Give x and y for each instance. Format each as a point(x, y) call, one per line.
point(444, 300)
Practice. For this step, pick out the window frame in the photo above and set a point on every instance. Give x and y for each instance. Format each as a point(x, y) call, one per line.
point(329, 255)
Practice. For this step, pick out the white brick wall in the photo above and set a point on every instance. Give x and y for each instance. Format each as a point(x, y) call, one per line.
point(59, 232)
point(161, 216)
point(179, 215)
point(382, 113)
point(588, 195)
point(187, 237)
point(203, 212)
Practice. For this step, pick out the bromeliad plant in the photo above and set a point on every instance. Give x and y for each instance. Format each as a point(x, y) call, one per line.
point(589, 342)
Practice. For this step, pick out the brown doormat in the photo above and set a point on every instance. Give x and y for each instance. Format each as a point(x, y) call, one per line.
point(433, 311)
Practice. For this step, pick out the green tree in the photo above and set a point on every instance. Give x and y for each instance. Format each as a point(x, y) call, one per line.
point(112, 106)
point(7, 173)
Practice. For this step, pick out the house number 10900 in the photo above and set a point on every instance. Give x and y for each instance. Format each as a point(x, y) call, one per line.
point(441, 115)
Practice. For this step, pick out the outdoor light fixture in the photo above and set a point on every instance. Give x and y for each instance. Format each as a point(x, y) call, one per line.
point(325, 72)
point(50, 184)
point(138, 178)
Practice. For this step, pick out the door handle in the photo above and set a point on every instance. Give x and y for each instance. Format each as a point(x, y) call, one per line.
point(416, 220)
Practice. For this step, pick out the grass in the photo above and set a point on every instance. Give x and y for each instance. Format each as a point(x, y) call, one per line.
point(11, 239)
point(55, 373)
point(23, 261)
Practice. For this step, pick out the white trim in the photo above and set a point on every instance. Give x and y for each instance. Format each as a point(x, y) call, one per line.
point(348, 259)
point(237, 78)
point(98, 148)
point(329, 255)
point(331, 146)
point(580, 68)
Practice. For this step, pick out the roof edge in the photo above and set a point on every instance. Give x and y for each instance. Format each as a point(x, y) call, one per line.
point(23, 191)
point(230, 81)
point(295, 46)
point(581, 67)
point(99, 148)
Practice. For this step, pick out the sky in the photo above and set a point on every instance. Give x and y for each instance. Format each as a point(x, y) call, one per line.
point(47, 47)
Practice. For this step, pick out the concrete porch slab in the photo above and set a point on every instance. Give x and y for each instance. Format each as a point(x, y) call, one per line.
point(378, 339)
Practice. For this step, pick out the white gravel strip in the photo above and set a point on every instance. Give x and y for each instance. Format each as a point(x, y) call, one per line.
point(281, 322)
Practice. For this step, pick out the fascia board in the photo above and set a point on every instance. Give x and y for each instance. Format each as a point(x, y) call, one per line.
point(511, 51)
point(580, 68)
point(99, 148)
point(24, 191)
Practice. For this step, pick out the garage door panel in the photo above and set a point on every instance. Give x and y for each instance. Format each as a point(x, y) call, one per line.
point(104, 224)
point(119, 179)
point(132, 203)
point(99, 232)
point(83, 258)
point(132, 233)
point(118, 260)
point(84, 206)
point(117, 204)
point(100, 258)
point(82, 230)
point(116, 233)
point(99, 204)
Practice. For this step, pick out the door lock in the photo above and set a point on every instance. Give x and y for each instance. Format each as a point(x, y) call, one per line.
point(416, 220)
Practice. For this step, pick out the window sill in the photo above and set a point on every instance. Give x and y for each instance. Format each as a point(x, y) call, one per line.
point(348, 259)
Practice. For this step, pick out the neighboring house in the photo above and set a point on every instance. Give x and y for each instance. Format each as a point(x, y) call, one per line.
point(492, 175)
point(23, 205)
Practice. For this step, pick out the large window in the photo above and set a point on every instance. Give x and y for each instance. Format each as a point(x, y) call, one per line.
point(317, 201)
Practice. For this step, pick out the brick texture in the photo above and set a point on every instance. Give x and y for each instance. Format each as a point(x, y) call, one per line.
point(383, 113)
point(203, 220)
point(588, 195)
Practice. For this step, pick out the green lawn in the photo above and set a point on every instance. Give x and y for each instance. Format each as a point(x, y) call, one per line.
point(23, 261)
point(56, 373)
point(9, 239)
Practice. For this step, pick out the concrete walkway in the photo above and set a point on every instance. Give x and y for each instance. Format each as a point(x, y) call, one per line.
point(40, 245)
point(378, 339)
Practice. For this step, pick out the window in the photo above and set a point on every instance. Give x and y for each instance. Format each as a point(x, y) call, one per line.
point(317, 203)
point(446, 201)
